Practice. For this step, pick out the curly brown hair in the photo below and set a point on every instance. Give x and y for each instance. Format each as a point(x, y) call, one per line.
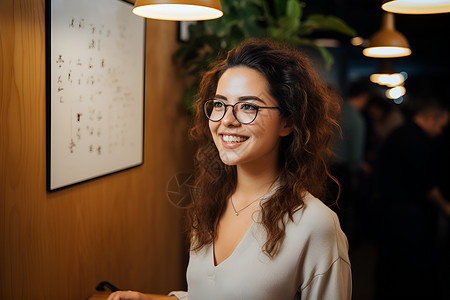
point(303, 154)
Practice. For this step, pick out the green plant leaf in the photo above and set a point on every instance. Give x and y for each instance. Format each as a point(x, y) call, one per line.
point(327, 56)
point(280, 8)
point(294, 9)
point(267, 13)
point(216, 27)
point(289, 24)
point(321, 22)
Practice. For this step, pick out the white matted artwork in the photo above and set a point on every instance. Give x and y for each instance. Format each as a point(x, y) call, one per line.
point(95, 89)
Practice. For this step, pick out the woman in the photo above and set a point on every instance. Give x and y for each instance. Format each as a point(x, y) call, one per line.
point(257, 229)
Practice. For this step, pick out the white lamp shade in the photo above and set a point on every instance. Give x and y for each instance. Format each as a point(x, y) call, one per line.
point(417, 6)
point(183, 10)
point(387, 42)
point(386, 52)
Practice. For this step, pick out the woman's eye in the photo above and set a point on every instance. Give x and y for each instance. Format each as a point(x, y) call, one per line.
point(247, 107)
point(218, 104)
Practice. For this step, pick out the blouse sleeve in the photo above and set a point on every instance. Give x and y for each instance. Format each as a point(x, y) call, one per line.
point(325, 264)
point(335, 284)
point(180, 295)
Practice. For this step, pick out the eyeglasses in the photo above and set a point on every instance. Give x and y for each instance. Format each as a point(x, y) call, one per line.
point(244, 112)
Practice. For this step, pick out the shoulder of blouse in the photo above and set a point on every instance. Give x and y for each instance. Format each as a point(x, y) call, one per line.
point(321, 225)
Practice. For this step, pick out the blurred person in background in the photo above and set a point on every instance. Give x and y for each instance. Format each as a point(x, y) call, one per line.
point(348, 148)
point(382, 116)
point(443, 243)
point(407, 208)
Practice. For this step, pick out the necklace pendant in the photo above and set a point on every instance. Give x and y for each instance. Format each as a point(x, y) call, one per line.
point(236, 214)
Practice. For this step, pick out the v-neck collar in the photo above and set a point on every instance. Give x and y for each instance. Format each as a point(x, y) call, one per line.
point(235, 251)
point(255, 220)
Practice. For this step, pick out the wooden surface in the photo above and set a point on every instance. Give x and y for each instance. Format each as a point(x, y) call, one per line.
point(99, 296)
point(120, 228)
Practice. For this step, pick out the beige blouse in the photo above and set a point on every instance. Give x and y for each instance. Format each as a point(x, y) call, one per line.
point(313, 263)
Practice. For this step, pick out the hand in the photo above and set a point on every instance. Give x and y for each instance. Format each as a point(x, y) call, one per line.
point(127, 295)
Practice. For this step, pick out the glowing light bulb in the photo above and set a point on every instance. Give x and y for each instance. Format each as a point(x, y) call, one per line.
point(357, 41)
point(387, 52)
point(389, 80)
point(374, 78)
point(395, 92)
point(394, 80)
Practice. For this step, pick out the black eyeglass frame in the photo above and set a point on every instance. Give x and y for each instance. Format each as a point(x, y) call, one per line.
point(257, 107)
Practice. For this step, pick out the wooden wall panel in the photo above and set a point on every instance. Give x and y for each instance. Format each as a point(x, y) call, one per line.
point(119, 228)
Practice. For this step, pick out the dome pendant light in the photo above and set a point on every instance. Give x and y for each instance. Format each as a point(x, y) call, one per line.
point(178, 10)
point(387, 42)
point(386, 76)
point(417, 6)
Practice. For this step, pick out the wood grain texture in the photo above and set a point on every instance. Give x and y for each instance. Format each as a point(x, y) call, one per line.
point(120, 228)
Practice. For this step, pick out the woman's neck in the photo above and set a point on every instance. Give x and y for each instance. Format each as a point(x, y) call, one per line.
point(256, 180)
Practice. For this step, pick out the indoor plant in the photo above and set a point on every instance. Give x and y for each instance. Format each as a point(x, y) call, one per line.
point(277, 19)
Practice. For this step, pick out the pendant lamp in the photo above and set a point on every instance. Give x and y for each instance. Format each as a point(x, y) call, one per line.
point(386, 75)
point(417, 6)
point(387, 42)
point(178, 10)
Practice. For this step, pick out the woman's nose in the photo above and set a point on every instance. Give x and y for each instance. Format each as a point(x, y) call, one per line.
point(229, 119)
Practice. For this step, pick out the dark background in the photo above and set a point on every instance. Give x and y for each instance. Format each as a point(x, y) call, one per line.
point(428, 35)
point(428, 69)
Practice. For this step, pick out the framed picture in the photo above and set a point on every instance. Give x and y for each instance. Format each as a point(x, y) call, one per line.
point(95, 56)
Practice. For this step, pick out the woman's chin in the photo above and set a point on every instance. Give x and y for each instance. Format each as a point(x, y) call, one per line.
point(229, 160)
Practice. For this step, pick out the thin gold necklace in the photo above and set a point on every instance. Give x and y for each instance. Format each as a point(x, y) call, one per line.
point(236, 212)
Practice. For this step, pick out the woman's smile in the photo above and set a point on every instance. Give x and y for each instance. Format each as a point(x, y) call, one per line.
point(232, 141)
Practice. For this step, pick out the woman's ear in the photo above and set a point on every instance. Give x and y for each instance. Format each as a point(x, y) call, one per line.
point(286, 126)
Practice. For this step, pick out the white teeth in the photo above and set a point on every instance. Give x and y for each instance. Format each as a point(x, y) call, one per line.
point(233, 139)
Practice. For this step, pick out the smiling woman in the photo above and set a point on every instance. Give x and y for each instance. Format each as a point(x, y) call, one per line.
point(241, 135)
point(263, 125)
